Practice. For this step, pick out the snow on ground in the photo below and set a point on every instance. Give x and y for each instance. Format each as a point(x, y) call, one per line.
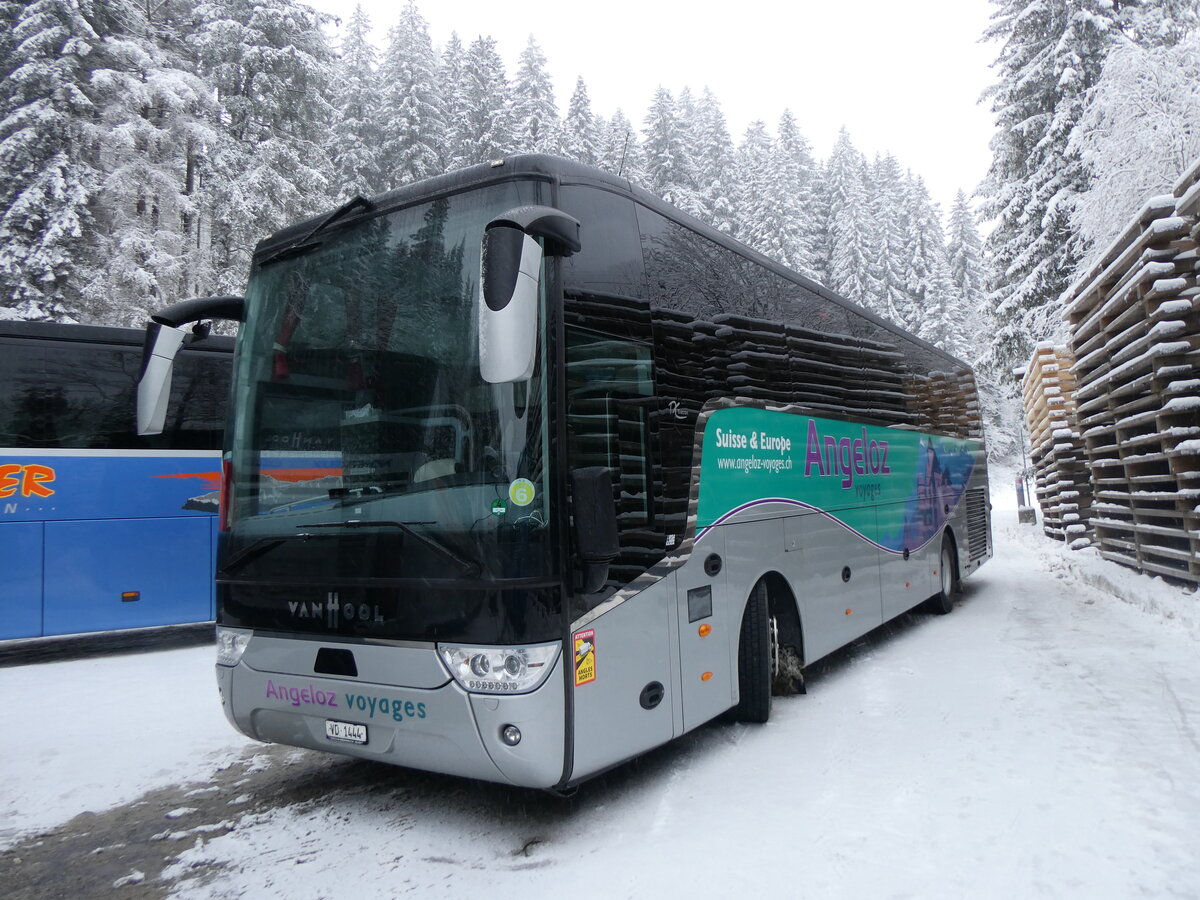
point(95, 733)
point(1043, 739)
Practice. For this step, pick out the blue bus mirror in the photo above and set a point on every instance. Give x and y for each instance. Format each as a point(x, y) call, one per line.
point(514, 245)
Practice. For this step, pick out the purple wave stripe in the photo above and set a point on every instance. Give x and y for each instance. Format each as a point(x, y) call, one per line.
point(790, 502)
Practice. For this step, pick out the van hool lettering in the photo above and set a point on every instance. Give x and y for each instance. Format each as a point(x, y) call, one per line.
point(334, 611)
point(892, 487)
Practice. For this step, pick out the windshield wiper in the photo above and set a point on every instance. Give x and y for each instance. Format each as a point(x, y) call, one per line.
point(468, 567)
point(306, 243)
point(257, 549)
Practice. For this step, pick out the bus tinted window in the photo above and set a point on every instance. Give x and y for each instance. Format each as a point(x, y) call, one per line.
point(610, 259)
point(770, 338)
point(199, 393)
point(78, 396)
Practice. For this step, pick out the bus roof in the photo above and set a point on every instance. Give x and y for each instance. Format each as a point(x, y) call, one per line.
point(537, 166)
point(97, 334)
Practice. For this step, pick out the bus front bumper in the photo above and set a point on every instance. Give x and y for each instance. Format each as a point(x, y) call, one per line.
point(440, 729)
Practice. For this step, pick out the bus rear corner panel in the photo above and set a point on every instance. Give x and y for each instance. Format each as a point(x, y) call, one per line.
point(972, 528)
point(401, 708)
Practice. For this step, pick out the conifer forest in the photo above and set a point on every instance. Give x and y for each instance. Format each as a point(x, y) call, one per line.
point(145, 147)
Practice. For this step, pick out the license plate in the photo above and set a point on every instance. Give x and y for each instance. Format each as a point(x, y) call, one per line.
point(348, 732)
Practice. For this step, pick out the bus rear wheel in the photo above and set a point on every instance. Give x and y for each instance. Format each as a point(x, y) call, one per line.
point(756, 655)
point(943, 602)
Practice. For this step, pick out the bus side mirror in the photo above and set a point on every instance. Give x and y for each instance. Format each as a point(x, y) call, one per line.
point(510, 270)
point(594, 524)
point(164, 337)
point(154, 383)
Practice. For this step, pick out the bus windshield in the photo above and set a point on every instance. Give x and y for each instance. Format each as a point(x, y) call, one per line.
point(365, 443)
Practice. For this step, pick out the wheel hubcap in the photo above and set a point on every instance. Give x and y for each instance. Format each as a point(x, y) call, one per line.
point(947, 575)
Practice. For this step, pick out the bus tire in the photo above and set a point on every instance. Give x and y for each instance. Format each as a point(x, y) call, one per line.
point(755, 674)
point(943, 601)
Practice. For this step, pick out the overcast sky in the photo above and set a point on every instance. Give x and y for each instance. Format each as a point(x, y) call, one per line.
point(903, 77)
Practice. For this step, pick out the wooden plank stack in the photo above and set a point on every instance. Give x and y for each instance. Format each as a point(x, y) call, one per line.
point(1134, 323)
point(1062, 482)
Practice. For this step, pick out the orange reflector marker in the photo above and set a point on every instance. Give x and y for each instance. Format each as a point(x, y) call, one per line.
point(130, 596)
point(849, 612)
point(705, 630)
point(707, 676)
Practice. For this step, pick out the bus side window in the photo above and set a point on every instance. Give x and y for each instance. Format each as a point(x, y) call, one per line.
point(610, 391)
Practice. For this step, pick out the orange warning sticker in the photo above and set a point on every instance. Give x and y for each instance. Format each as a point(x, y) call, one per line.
point(585, 657)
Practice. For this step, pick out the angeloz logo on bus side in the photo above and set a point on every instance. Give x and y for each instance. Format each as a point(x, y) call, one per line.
point(844, 457)
point(334, 611)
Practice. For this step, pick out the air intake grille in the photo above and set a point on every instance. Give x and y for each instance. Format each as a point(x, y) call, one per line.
point(977, 537)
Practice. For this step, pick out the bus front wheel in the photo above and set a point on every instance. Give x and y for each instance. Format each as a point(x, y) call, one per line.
point(943, 602)
point(755, 659)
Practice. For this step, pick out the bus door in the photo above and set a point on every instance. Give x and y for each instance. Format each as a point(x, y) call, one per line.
point(624, 691)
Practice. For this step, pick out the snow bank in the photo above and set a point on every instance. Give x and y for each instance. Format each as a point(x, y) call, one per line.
point(97, 733)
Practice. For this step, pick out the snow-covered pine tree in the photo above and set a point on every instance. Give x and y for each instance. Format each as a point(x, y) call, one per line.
point(713, 150)
point(1052, 53)
point(932, 314)
point(153, 119)
point(450, 89)
point(356, 136)
point(483, 130)
point(819, 223)
point(848, 228)
point(1156, 23)
point(668, 163)
point(619, 151)
point(535, 116)
point(411, 108)
point(271, 66)
point(968, 275)
point(1140, 131)
point(755, 200)
point(10, 11)
point(891, 226)
point(47, 175)
point(793, 172)
point(580, 133)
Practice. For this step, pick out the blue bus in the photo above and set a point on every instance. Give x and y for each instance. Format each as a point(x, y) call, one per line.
point(100, 528)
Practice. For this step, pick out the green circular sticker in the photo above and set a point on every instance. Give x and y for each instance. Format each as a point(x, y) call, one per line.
point(521, 492)
point(499, 507)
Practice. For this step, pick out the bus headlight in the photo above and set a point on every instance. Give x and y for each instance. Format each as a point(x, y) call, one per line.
point(499, 670)
point(231, 644)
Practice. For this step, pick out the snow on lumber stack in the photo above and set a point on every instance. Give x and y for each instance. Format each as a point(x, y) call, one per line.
point(1134, 322)
point(1063, 484)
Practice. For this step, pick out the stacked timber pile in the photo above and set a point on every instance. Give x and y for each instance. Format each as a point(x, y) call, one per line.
point(1135, 334)
point(1063, 484)
point(946, 402)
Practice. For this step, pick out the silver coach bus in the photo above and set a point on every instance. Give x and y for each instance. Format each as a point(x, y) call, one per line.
point(528, 472)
